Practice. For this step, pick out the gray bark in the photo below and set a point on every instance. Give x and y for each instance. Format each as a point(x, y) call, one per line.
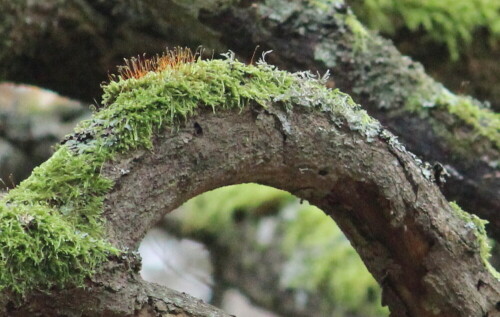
point(405, 233)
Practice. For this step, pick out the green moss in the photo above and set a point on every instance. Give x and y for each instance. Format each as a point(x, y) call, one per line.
point(484, 121)
point(359, 31)
point(451, 22)
point(49, 224)
point(51, 231)
point(134, 108)
point(467, 111)
point(478, 226)
point(326, 4)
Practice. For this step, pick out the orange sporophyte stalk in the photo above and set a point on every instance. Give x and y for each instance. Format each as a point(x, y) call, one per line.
point(137, 67)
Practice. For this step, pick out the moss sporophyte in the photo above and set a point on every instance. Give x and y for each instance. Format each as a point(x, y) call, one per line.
point(51, 228)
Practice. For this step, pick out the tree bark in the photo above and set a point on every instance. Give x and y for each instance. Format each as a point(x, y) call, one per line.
point(426, 259)
point(475, 73)
point(116, 292)
point(37, 45)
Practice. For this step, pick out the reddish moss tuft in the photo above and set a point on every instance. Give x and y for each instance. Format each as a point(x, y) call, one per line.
point(137, 67)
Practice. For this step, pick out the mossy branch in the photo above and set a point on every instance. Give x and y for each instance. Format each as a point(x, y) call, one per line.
point(435, 124)
point(171, 134)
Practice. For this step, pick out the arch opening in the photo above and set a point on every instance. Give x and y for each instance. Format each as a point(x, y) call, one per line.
point(259, 242)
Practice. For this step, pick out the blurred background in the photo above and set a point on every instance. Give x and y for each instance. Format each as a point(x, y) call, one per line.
point(255, 250)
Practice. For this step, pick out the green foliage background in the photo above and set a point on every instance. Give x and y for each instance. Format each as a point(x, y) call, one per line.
point(452, 22)
point(319, 258)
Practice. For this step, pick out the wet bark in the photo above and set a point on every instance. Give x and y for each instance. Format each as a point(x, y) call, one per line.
point(71, 46)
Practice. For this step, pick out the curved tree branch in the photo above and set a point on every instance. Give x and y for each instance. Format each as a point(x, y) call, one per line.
point(399, 223)
point(293, 135)
point(38, 47)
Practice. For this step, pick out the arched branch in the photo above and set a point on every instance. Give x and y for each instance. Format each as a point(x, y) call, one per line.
point(277, 129)
point(405, 231)
point(37, 46)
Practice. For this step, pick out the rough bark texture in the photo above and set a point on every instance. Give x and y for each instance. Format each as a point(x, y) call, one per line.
point(38, 46)
point(388, 210)
point(425, 258)
point(381, 79)
point(117, 291)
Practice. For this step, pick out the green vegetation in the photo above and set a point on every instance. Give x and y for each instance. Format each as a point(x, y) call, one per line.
point(320, 260)
point(359, 32)
point(326, 4)
point(214, 212)
point(478, 226)
point(51, 231)
point(468, 112)
point(452, 22)
point(50, 226)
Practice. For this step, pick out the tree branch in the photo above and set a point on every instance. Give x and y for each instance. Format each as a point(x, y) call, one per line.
point(403, 252)
point(117, 291)
point(38, 47)
point(293, 134)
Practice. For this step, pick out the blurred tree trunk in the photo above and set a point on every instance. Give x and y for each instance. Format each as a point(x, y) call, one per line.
point(476, 72)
